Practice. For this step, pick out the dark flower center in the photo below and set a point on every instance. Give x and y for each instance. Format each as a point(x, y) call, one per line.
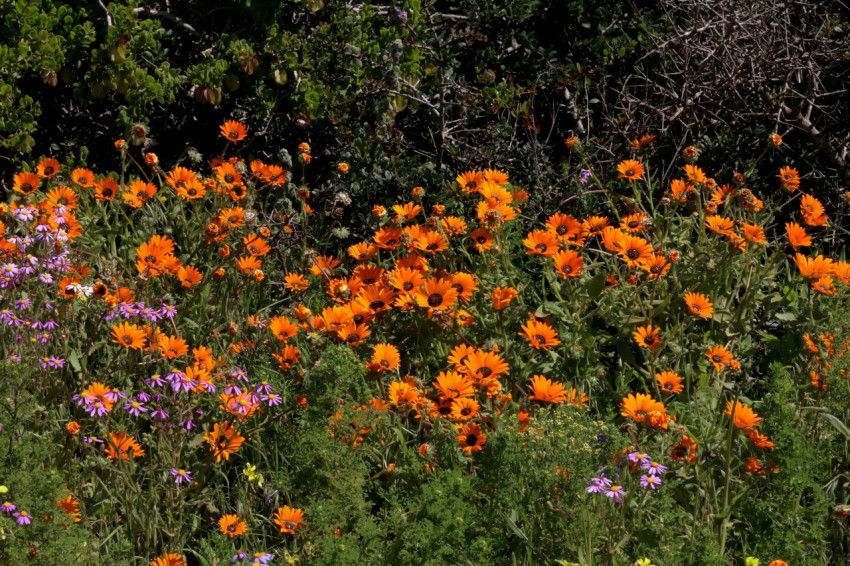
point(471, 439)
point(435, 300)
point(633, 254)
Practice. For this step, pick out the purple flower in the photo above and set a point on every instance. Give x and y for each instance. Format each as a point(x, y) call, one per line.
point(159, 413)
point(168, 311)
point(650, 481)
point(272, 399)
point(233, 389)
point(150, 314)
point(135, 408)
point(92, 440)
point(188, 424)
point(264, 387)
point(155, 381)
point(598, 485)
point(654, 468)
point(616, 493)
point(639, 458)
point(7, 507)
point(261, 559)
point(181, 476)
point(23, 304)
point(239, 557)
point(239, 373)
point(22, 518)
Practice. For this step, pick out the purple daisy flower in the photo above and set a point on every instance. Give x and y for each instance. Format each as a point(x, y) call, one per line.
point(7, 507)
point(181, 476)
point(598, 485)
point(654, 468)
point(639, 457)
point(616, 493)
point(22, 518)
point(647, 480)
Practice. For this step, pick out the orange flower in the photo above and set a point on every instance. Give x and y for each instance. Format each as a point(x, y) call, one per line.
point(643, 409)
point(699, 304)
point(568, 263)
point(256, 245)
point(288, 519)
point(437, 294)
point(760, 440)
point(129, 335)
point(120, 446)
point(464, 408)
point(540, 335)
point(633, 222)
point(189, 276)
point(545, 390)
point(296, 282)
point(686, 451)
point(813, 268)
point(172, 346)
point(287, 357)
point(385, 357)
point(669, 382)
point(564, 226)
point(47, 167)
point(224, 440)
point(282, 328)
point(719, 224)
point(71, 507)
point(482, 239)
point(813, 211)
point(470, 181)
point(695, 174)
point(630, 170)
point(234, 131)
point(797, 236)
point(541, 242)
point(742, 415)
point(25, 183)
point(62, 197)
point(169, 559)
point(719, 357)
point(483, 365)
point(503, 296)
point(634, 250)
point(83, 177)
point(452, 385)
point(648, 337)
point(754, 233)
point(72, 428)
point(232, 526)
point(789, 178)
point(472, 439)
point(465, 284)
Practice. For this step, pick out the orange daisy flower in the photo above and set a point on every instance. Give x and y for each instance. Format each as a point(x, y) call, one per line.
point(482, 239)
point(648, 337)
point(169, 559)
point(385, 357)
point(699, 304)
point(742, 415)
point(224, 440)
point(814, 268)
point(540, 335)
point(797, 236)
point(47, 167)
point(464, 409)
point(25, 183)
point(630, 170)
point(129, 335)
point(232, 526)
point(172, 346)
point(719, 357)
point(437, 294)
point(568, 263)
point(120, 446)
point(634, 250)
point(503, 296)
point(789, 178)
point(289, 519)
point(641, 408)
point(471, 439)
point(670, 382)
point(83, 177)
point(452, 385)
point(544, 390)
point(482, 365)
point(234, 131)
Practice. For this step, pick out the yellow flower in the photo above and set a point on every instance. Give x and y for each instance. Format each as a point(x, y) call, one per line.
point(643, 562)
point(750, 561)
point(4, 489)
